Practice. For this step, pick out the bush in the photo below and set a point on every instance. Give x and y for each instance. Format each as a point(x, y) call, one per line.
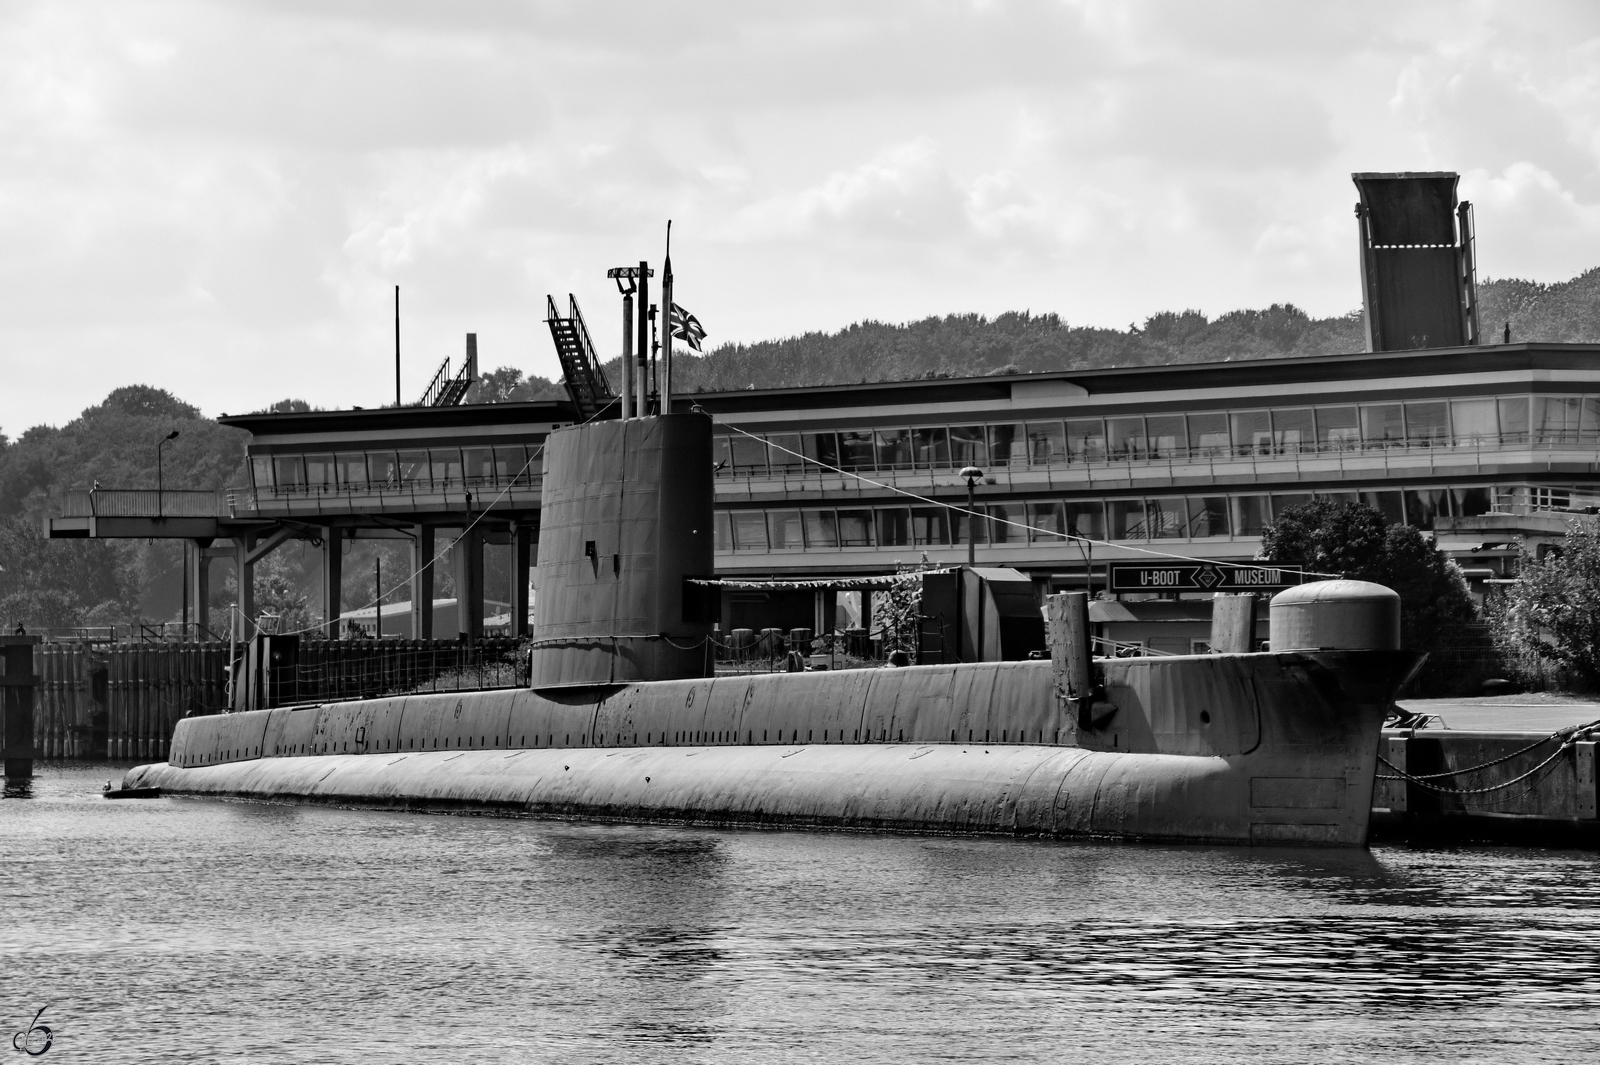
point(1547, 624)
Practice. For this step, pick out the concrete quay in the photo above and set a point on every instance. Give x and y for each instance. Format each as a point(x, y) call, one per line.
point(1514, 768)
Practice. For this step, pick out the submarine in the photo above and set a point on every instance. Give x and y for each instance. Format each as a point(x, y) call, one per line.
point(625, 719)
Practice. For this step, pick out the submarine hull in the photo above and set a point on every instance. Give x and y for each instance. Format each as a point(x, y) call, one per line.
point(1271, 748)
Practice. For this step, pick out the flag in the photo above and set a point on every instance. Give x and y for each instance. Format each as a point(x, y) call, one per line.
point(687, 327)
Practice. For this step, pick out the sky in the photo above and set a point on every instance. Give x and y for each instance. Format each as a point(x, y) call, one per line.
point(219, 198)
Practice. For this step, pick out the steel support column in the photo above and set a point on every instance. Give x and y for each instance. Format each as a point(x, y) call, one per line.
point(199, 586)
point(332, 581)
point(422, 550)
point(522, 537)
point(468, 560)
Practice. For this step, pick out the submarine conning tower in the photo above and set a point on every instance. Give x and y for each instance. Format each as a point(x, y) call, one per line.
point(626, 519)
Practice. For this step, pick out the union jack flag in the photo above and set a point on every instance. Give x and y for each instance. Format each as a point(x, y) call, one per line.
point(687, 327)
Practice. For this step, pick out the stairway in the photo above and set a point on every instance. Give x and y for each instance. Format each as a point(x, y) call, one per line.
point(585, 380)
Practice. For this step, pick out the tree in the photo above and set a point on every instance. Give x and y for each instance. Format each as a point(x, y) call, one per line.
point(510, 385)
point(1353, 540)
point(1552, 613)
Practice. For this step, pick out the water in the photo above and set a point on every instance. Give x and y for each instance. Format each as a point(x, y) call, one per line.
point(180, 930)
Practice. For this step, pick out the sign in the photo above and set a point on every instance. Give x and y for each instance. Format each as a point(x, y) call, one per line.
point(1202, 577)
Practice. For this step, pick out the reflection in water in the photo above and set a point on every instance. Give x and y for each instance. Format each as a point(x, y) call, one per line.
point(187, 930)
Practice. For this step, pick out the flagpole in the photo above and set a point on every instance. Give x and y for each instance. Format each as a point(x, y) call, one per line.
point(666, 332)
point(643, 322)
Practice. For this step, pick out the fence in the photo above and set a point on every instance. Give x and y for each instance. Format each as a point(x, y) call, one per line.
point(330, 670)
point(120, 701)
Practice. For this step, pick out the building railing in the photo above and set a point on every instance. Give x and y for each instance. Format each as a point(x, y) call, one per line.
point(1187, 461)
point(144, 503)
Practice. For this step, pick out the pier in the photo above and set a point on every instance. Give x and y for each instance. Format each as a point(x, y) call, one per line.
point(1517, 768)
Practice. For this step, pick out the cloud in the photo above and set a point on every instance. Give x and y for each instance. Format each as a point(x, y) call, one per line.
point(219, 199)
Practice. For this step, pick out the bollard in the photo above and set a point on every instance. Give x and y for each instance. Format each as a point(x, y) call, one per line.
point(1233, 624)
point(1067, 629)
point(16, 695)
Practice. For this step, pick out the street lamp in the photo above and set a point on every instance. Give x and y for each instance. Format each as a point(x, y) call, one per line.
point(972, 475)
point(160, 508)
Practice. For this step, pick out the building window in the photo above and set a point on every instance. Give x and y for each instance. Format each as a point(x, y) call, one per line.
point(930, 526)
point(288, 472)
point(1045, 522)
point(1166, 435)
point(1293, 431)
point(261, 472)
point(960, 523)
point(414, 468)
point(446, 466)
point(319, 473)
point(1471, 502)
point(1168, 517)
point(1008, 524)
point(894, 527)
point(1208, 516)
point(1514, 420)
point(1125, 438)
point(749, 530)
point(1252, 432)
point(1589, 424)
point(784, 530)
point(894, 449)
point(351, 469)
point(1555, 419)
point(1383, 425)
point(821, 447)
point(1008, 446)
point(1423, 505)
point(821, 528)
point(1338, 428)
point(855, 450)
point(1389, 504)
point(517, 465)
point(1125, 518)
point(1475, 422)
point(477, 463)
point(785, 454)
point(383, 469)
point(1251, 514)
point(932, 448)
point(749, 455)
point(1085, 517)
point(1047, 443)
point(1086, 440)
point(724, 531)
point(968, 446)
point(721, 456)
point(1428, 424)
point(855, 528)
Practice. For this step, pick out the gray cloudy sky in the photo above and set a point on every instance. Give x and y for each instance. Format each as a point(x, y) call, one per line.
point(217, 198)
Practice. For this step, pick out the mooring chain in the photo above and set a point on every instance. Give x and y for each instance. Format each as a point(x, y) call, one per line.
point(1569, 737)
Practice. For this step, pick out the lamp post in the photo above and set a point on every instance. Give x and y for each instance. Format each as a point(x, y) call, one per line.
point(972, 476)
point(160, 487)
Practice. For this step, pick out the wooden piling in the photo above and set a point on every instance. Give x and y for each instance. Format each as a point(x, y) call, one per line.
point(1071, 658)
point(1233, 624)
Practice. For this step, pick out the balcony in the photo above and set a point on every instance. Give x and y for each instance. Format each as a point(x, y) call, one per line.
point(1183, 467)
point(149, 503)
point(394, 499)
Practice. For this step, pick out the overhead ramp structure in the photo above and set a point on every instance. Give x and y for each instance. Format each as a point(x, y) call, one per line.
point(585, 380)
point(449, 389)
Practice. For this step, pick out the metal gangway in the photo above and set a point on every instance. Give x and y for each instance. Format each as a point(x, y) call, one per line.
point(585, 380)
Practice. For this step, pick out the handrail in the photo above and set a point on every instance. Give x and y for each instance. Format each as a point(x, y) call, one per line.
point(436, 387)
point(143, 503)
point(1414, 450)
